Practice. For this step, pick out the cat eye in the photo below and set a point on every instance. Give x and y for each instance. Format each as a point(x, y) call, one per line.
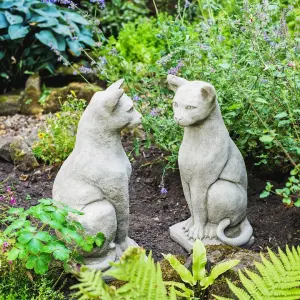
point(190, 107)
point(130, 110)
point(175, 104)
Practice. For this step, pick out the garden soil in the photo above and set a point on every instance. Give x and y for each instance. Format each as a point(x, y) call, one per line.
point(151, 213)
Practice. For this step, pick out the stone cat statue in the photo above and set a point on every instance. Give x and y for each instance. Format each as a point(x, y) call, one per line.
point(94, 178)
point(212, 169)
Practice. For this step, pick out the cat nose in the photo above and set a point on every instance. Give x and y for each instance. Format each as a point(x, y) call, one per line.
point(178, 119)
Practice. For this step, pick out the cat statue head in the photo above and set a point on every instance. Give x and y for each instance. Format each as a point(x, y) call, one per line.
point(113, 109)
point(194, 101)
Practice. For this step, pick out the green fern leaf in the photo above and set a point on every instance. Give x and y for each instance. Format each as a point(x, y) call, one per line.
point(250, 286)
point(241, 294)
point(258, 281)
point(290, 256)
point(276, 261)
point(296, 256)
point(285, 260)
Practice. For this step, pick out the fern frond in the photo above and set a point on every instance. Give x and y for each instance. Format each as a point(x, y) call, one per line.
point(258, 281)
point(241, 294)
point(250, 286)
point(280, 277)
point(91, 285)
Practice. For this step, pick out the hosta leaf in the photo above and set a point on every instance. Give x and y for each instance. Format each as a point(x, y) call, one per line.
point(48, 11)
point(10, 3)
point(75, 18)
point(87, 40)
point(49, 23)
point(75, 47)
point(17, 31)
point(13, 19)
point(62, 29)
point(47, 38)
point(3, 21)
point(25, 10)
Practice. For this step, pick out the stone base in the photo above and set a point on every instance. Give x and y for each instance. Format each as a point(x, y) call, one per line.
point(113, 255)
point(179, 236)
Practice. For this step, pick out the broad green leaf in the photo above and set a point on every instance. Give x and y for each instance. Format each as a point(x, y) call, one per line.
point(74, 47)
point(264, 194)
point(45, 201)
point(62, 29)
point(47, 38)
point(297, 203)
point(31, 262)
point(199, 260)
point(182, 271)
point(266, 139)
point(62, 254)
point(25, 237)
point(217, 271)
point(261, 100)
point(281, 115)
point(55, 224)
point(100, 239)
point(188, 293)
point(56, 215)
point(25, 10)
point(43, 236)
point(3, 21)
point(35, 246)
point(13, 253)
point(13, 19)
point(15, 225)
point(75, 18)
point(10, 3)
point(48, 11)
point(49, 23)
point(61, 42)
point(15, 210)
point(87, 40)
point(17, 31)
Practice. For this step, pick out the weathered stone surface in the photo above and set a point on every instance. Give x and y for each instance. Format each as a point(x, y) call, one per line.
point(10, 104)
point(59, 95)
point(30, 102)
point(94, 178)
point(22, 155)
point(212, 169)
point(5, 142)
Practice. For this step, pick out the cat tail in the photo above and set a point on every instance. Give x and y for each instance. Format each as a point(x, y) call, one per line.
point(244, 237)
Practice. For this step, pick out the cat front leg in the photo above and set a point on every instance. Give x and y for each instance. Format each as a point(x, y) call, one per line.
point(187, 194)
point(199, 207)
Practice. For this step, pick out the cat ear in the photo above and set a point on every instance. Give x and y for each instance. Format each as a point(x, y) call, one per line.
point(115, 85)
point(112, 98)
point(175, 82)
point(208, 92)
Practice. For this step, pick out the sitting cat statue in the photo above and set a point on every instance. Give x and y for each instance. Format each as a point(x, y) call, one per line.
point(212, 170)
point(94, 178)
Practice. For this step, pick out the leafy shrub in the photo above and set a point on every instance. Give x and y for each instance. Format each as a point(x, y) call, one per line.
point(32, 240)
point(28, 29)
point(276, 279)
point(116, 13)
point(143, 279)
point(57, 139)
point(251, 57)
point(198, 275)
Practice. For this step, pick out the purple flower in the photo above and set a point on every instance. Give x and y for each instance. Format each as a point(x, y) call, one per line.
point(136, 98)
point(103, 60)
point(175, 70)
point(74, 73)
point(2, 198)
point(12, 201)
point(5, 244)
point(163, 191)
point(8, 189)
point(154, 112)
point(85, 70)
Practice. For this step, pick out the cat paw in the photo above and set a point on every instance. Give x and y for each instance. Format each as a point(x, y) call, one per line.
point(210, 230)
point(188, 224)
point(196, 232)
